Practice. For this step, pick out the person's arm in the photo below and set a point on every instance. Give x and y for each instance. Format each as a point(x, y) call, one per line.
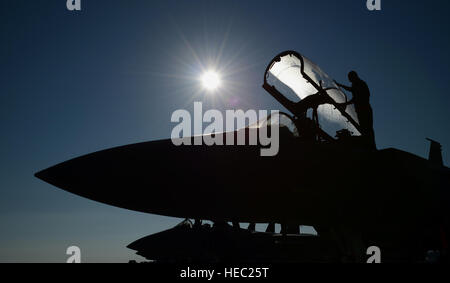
point(349, 102)
point(348, 88)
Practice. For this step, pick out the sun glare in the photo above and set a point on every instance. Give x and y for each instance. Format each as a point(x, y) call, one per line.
point(210, 80)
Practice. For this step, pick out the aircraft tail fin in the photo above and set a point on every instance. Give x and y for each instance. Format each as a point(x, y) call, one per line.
point(435, 155)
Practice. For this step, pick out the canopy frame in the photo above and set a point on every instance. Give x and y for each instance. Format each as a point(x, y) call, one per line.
point(312, 101)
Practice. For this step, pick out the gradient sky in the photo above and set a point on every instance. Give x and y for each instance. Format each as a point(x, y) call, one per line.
point(72, 83)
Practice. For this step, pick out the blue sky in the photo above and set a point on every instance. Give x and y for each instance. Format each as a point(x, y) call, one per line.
point(112, 74)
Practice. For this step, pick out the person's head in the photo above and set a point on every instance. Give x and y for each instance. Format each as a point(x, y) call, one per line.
point(353, 76)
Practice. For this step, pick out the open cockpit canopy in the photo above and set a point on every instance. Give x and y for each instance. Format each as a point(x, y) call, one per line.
point(291, 78)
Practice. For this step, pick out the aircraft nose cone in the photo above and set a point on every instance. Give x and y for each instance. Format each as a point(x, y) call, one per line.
point(85, 176)
point(161, 178)
point(42, 175)
point(155, 177)
point(59, 175)
point(127, 176)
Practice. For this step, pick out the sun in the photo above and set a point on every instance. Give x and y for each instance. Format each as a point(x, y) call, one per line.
point(211, 80)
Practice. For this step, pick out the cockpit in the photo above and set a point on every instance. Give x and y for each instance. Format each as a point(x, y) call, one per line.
point(313, 98)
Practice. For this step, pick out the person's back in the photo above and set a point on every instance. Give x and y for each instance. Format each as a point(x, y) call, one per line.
point(361, 93)
point(361, 101)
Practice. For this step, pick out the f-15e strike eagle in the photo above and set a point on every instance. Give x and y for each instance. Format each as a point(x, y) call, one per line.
point(325, 175)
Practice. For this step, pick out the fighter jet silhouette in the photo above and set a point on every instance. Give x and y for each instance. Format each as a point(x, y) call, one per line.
point(325, 175)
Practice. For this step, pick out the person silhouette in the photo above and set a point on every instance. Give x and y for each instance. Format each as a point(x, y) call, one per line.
point(361, 96)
